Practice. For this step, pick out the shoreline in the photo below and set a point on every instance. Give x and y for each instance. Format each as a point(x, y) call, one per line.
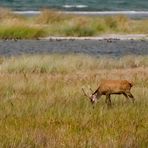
point(86, 12)
point(131, 14)
point(102, 37)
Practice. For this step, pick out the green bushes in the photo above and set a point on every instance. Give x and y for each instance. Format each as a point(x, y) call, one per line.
point(78, 31)
point(118, 23)
point(20, 32)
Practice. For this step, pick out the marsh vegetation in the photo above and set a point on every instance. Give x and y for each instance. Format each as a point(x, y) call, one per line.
point(53, 23)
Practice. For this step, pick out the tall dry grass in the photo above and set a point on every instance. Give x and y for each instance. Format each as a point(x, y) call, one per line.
point(7, 14)
point(42, 105)
point(51, 16)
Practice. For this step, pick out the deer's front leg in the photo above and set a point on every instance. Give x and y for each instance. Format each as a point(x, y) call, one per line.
point(131, 96)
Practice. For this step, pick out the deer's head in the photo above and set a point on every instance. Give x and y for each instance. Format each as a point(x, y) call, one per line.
point(92, 97)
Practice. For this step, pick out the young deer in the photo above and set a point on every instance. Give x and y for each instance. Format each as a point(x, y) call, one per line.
point(109, 87)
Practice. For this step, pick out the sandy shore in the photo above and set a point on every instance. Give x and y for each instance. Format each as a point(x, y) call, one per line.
point(114, 48)
point(103, 37)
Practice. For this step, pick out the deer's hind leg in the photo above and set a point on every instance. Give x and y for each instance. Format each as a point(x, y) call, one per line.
point(108, 100)
point(131, 96)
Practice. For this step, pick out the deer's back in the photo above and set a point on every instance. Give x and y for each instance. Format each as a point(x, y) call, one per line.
point(114, 86)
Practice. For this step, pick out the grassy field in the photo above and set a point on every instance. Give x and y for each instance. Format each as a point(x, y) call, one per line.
point(42, 105)
point(53, 23)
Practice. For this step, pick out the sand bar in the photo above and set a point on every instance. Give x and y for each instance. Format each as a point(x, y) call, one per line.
point(103, 37)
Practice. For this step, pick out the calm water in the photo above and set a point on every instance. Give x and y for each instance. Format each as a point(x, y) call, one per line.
point(77, 5)
point(116, 48)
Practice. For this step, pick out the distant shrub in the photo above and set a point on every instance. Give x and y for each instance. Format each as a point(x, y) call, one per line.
point(79, 26)
point(100, 28)
point(117, 22)
point(111, 22)
point(79, 31)
point(100, 25)
point(50, 16)
point(8, 14)
point(20, 32)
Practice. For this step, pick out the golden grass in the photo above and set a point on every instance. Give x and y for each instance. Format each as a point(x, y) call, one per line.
point(6, 14)
point(51, 16)
point(42, 105)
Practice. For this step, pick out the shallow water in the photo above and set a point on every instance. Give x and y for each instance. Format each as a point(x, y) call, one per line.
point(77, 5)
point(114, 48)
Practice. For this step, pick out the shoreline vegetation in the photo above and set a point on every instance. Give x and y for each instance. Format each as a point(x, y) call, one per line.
point(52, 23)
point(41, 102)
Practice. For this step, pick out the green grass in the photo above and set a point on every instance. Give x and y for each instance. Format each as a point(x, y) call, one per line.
point(78, 31)
point(20, 32)
point(44, 108)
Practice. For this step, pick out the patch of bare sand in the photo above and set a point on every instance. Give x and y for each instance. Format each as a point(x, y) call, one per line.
point(103, 37)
